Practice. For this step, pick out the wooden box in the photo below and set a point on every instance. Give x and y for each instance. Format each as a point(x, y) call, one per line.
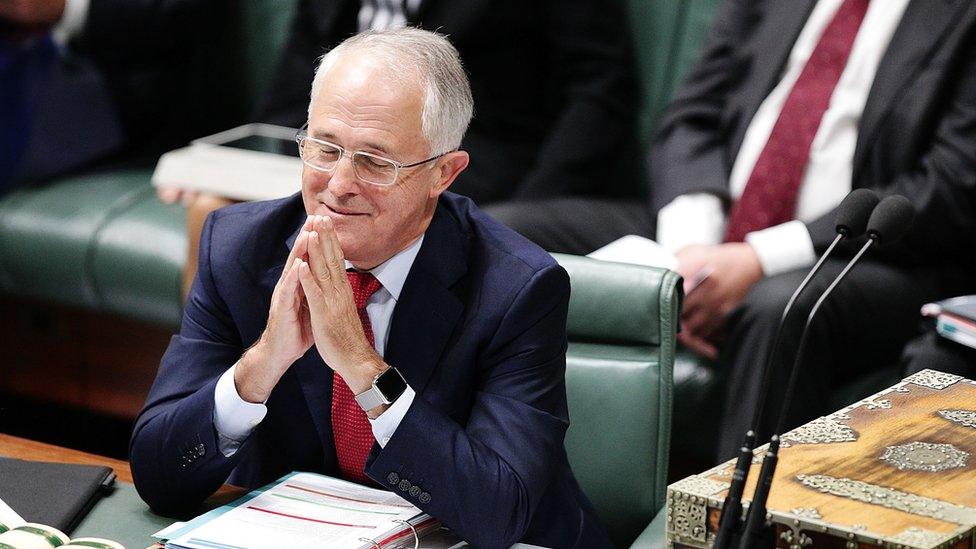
point(896, 469)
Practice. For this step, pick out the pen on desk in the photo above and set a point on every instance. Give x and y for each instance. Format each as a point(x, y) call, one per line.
point(697, 278)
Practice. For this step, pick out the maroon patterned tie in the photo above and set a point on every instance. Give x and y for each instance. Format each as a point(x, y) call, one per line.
point(351, 429)
point(770, 194)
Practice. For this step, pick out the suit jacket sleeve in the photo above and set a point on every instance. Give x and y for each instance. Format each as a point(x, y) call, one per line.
point(485, 479)
point(594, 77)
point(174, 452)
point(941, 184)
point(689, 153)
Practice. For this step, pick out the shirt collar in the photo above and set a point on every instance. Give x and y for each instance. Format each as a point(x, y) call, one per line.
point(393, 272)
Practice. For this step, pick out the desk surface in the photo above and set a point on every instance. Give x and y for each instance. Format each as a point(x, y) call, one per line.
point(121, 515)
point(22, 448)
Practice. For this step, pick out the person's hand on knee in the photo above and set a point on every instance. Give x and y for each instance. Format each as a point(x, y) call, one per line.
point(733, 269)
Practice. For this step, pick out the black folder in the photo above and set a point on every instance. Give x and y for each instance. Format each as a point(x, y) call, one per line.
point(55, 494)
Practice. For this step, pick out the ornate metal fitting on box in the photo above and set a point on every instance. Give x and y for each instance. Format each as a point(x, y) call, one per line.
point(823, 430)
point(890, 498)
point(876, 403)
point(688, 509)
point(918, 537)
point(925, 456)
point(966, 418)
point(806, 512)
point(796, 538)
point(933, 379)
point(686, 518)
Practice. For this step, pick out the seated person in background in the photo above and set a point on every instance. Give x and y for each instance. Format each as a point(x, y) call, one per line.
point(553, 85)
point(788, 109)
point(934, 352)
point(94, 81)
point(373, 271)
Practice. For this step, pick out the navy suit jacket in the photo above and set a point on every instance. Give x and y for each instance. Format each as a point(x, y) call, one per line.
point(478, 332)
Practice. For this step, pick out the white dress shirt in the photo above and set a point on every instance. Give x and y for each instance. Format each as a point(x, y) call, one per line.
point(235, 418)
point(72, 21)
point(385, 14)
point(698, 218)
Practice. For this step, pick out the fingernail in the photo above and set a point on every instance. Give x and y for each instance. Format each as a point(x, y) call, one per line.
point(313, 234)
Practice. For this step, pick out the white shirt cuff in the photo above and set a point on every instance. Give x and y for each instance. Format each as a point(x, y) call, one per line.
point(234, 417)
point(72, 21)
point(691, 219)
point(385, 425)
point(783, 247)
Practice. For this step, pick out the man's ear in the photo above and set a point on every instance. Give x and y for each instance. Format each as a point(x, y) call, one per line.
point(449, 166)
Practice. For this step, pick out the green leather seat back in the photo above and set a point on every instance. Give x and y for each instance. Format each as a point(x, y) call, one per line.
point(48, 234)
point(261, 31)
point(137, 266)
point(667, 39)
point(621, 330)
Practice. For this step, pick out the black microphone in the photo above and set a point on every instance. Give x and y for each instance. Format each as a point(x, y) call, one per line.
point(890, 220)
point(852, 218)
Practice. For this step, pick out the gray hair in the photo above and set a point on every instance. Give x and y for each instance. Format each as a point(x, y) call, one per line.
point(418, 57)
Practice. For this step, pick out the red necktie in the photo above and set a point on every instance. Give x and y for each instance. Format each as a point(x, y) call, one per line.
point(770, 194)
point(350, 427)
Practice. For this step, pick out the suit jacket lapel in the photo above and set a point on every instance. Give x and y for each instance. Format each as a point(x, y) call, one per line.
point(783, 22)
point(921, 29)
point(428, 310)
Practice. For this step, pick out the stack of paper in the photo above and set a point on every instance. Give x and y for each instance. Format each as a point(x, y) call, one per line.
point(306, 510)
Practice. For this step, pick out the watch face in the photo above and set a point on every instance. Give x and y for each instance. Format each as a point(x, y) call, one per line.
point(391, 384)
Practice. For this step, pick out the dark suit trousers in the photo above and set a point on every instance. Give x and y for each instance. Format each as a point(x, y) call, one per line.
point(938, 353)
point(862, 326)
point(575, 225)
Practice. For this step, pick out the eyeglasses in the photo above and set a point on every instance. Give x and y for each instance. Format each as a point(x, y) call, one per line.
point(324, 156)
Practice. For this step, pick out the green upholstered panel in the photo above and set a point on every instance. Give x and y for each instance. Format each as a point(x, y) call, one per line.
point(615, 302)
point(696, 18)
point(615, 436)
point(123, 517)
point(655, 25)
point(232, 74)
point(46, 234)
point(264, 27)
point(618, 382)
point(138, 261)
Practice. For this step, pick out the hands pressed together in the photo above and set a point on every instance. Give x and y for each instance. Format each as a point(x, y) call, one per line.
point(733, 269)
point(312, 303)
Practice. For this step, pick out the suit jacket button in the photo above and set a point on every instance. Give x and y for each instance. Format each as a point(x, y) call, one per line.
point(404, 485)
point(414, 491)
point(424, 498)
point(393, 479)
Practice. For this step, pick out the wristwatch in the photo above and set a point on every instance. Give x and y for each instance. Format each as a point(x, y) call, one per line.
point(387, 387)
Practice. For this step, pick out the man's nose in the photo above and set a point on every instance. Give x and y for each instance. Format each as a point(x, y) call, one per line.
point(344, 179)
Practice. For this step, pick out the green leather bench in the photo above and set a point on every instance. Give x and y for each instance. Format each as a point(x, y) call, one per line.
point(621, 330)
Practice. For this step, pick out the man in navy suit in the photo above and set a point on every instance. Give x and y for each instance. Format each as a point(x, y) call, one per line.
point(375, 327)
